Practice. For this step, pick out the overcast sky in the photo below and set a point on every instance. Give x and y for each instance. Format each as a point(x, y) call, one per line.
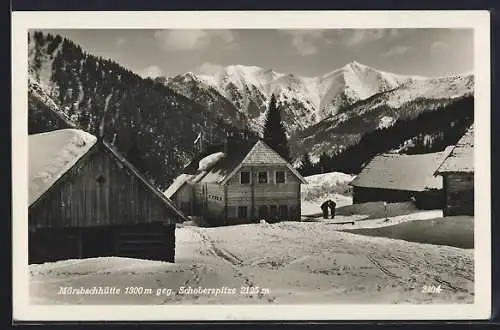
point(427, 52)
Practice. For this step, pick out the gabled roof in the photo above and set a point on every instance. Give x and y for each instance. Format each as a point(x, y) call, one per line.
point(239, 154)
point(461, 157)
point(401, 172)
point(53, 154)
point(262, 154)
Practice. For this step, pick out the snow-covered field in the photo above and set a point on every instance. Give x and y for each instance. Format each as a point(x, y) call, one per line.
point(287, 263)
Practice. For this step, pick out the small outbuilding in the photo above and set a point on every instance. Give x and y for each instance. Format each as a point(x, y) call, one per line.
point(457, 171)
point(400, 178)
point(180, 192)
point(86, 200)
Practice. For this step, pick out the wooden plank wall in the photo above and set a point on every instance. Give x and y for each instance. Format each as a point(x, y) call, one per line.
point(81, 201)
point(215, 203)
point(459, 194)
point(258, 194)
point(183, 199)
point(363, 195)
point(154, 241)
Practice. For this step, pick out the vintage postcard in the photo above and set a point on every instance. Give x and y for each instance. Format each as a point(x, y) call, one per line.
point(251, 165)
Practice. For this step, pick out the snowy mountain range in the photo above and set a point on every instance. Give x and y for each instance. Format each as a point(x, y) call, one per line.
point(306, 101)
point(322, 114)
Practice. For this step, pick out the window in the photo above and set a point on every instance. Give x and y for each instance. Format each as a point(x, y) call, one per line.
point(231, 211)
point(273, 211)
point(283, 212)
point(280, 176)
point(245, 177)
point(100, 179)
point(262, 177)
point(242, 212)
point(263, 212)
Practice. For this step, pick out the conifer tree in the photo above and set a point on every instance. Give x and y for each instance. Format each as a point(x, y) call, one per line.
point(306, 165)
point(274, 131)
point(323, 163)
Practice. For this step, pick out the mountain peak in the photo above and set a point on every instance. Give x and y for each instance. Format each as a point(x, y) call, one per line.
point(355, 65)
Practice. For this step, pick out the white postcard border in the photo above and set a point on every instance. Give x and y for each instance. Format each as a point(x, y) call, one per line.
point(477, 20)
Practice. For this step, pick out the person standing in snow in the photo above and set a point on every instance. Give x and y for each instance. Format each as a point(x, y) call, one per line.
point(332, 206)
point(329, 204)
point(324, 209)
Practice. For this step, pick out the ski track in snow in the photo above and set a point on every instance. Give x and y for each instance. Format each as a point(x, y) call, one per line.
point(235, 262)
point(298, 262)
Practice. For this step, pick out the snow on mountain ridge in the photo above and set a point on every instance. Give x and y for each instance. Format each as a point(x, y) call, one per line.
point(305, 100)
point(360, 80)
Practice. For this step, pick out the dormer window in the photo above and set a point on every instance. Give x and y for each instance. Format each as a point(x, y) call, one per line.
point(244, 177)
point(280, 176)
point(262, 177)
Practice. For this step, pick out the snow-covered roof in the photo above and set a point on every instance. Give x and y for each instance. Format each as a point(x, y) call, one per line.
point(221, 169)
point(177, 184)
point(226, 165)
point(461, 158)
point(402, 172)
point(208, 161)
point(53, 153)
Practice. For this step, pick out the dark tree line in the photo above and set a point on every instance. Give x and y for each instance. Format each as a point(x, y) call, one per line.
point(430, 131)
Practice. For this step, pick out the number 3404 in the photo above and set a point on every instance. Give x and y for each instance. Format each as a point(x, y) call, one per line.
point(431, 289)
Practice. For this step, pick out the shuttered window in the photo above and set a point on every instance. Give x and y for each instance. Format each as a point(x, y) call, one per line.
point(263, 212)
point(242, 212)
point(280, 176)
point(273, 211)
point(245, 177)
point(283, 212)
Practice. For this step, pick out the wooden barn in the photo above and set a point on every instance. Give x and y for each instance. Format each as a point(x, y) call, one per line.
point(239, 182)
point(86, 200)
point(457, 171)
point(400, 178)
